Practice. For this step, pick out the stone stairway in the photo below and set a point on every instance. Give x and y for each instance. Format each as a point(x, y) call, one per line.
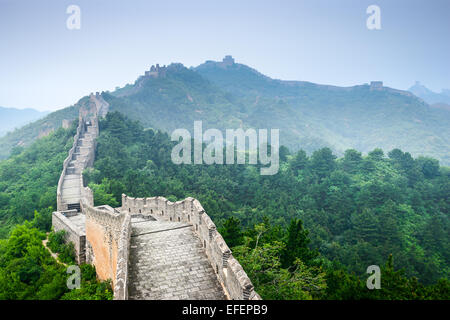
point(71, 188)
point(167, 261)
point(145, 256)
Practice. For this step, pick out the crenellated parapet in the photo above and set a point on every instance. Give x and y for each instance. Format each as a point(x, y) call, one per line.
point(107, 237)
point(102, 234)
point(123, 253)
point(59, 200)
point(230, 273)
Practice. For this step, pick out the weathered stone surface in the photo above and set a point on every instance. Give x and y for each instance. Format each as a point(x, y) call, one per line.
point(74, 224)
point(151, 248)
point(167, 261)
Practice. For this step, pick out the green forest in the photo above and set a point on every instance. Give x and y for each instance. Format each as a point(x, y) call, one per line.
point(28, 181)
point(308, 232)
point(356, 211)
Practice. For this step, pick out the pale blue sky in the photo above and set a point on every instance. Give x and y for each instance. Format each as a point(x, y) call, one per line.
point(45, 66)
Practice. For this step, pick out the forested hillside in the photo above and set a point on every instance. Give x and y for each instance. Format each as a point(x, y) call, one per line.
point(310, 116)
point(29, 133)
point(28, 181)
point(358, 209)
point(11, 118)
point(308, 232)
point(429, 96)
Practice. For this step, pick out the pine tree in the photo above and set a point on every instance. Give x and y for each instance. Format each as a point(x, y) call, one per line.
point(297, 245)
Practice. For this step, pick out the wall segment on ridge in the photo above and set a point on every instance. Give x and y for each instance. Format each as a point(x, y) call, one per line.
point(106, 237)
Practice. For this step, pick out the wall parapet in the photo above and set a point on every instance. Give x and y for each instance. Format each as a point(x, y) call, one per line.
point(107, 234)
point(106, 238)
point(59, 200)
point(61, 221)
point(121, 281)
point(230, 273)
point(110, 256)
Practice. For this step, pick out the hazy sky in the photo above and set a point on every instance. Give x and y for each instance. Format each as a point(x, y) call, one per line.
point(46, 66)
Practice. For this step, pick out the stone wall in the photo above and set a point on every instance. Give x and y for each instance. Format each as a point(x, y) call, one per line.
point(106, 239)
point(121, 280)
point(61, 221)
point(61, 206)
point(108, 233)
point(230, 273)
point(102, 236)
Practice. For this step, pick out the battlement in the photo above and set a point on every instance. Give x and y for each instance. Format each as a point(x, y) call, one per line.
point(227, 61)
point(102, 234)
point(156, 71)
point(72, 222)
point(228, 270)
point(376, 85)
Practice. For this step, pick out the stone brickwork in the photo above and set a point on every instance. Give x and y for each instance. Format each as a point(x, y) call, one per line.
point(73, 223)
point(150, 248)
point(61, 205)
point(167, 261)
point(376, 85)
point(121, 280)
point(229, 272)
point(103, 228)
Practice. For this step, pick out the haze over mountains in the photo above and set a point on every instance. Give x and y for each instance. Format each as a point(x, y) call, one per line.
point(429, 96)
point(232, 95)
point(11, 118)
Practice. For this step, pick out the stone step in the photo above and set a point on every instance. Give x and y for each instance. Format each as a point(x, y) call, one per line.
point(72, 176)
point(85, 141)
point(82, 149)
point(73, 170)
point(170, 264)
point(72, 200)
point(71, 193)
point(79, 156)
point(75, 206)
point(88, 136)
point(66, 197)
point(75, 183)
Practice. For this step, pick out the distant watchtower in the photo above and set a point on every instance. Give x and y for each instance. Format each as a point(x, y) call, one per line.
point(156, 71)
point(227, 61)
point(376, 85)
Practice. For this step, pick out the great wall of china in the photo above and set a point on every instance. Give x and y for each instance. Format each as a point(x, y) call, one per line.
point(150, 248)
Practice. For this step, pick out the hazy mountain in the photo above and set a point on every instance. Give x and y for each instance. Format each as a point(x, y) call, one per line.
point(442, 106)
point(231, 95)
point(25, 135)
point(362, 117)
point(429, 96)
point(11, 118)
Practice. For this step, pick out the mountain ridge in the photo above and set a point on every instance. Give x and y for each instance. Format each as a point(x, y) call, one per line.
point(310, 116)
point(430, 96)
point(12, 118)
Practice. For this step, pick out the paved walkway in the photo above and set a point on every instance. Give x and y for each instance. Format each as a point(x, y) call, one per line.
point(71, 189)
point(167, 261)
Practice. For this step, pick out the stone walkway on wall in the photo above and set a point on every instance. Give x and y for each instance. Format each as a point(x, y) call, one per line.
point(167, 261)
point(71, 189)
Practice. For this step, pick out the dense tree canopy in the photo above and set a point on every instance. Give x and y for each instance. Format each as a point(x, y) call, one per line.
point(308, 232)
point(357, 209)
point(28, 181)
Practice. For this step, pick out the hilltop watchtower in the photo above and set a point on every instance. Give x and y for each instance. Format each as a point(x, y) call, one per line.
point(376, 85)
point(227, 61)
